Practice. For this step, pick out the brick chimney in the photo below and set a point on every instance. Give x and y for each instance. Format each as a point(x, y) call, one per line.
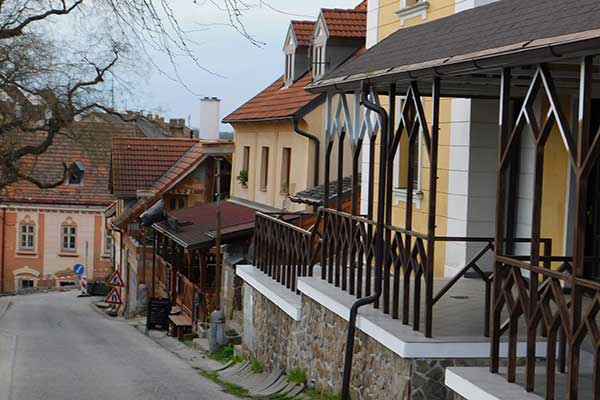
point(177, 127)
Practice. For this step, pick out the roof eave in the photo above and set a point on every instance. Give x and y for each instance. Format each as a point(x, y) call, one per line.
point(540, 50)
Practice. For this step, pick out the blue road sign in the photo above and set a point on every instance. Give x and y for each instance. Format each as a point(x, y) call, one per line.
point(78, 269)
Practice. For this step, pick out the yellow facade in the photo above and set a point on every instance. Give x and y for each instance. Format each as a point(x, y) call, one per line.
point(555, 185)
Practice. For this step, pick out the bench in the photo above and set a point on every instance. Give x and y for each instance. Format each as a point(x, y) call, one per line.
point(179, 323)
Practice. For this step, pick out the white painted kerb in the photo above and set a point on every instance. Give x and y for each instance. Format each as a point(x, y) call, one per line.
point(288, 301)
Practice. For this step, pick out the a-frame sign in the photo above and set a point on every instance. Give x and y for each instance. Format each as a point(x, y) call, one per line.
point(115, 280)
point(113, 297)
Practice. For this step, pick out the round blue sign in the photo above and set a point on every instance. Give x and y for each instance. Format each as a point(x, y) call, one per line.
point(78, 269)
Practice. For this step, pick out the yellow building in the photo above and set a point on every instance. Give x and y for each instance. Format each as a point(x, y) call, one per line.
point(280, 133)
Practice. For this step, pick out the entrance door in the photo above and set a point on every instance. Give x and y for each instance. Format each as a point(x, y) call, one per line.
point(592, 251)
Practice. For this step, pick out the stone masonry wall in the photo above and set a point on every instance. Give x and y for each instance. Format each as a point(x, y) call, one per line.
point(317, 343)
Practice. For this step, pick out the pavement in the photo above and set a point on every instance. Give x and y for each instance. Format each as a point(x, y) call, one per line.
point(54, 346)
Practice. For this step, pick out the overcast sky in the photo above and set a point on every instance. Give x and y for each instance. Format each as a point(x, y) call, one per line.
point(247, 69)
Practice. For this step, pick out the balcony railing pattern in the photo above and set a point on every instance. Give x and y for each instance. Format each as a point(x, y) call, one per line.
point(282, 250)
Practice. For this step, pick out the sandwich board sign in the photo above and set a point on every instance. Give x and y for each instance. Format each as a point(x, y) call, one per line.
point(113, 297)
point(115, 280)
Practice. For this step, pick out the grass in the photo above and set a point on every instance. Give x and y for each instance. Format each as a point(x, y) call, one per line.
point(297, 375)
point(257, 366)
point(315, 394)
point(189, 343)
point(227, 387)
point(225, 355)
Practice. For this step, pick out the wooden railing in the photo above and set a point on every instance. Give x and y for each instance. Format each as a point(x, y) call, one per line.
point(282, 250)
point(535, 296)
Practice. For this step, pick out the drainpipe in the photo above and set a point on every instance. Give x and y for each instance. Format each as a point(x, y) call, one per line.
point(317, 143)
point(378, 248)
point(3, 249)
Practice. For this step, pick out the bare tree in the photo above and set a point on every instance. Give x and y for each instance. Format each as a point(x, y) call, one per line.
point(53, 73)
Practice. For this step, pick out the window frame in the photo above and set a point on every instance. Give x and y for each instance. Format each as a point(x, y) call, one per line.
point(286, 168)
point(68, 235)
point(108, 243)
point(264, 168)
point(28, 235)
point(400, 193)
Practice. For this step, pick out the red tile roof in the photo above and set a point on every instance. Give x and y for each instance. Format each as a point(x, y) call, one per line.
point(362, 6)
point(86, 142)
point(275, 102)
point(178, 170)
point(138, 162)
point(345, 23)
point(304, 32)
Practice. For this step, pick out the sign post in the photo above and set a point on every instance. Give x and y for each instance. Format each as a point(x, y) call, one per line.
point(116, 282)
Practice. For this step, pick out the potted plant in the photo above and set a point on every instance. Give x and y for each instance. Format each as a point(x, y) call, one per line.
point(243, 178)
point(285, 187)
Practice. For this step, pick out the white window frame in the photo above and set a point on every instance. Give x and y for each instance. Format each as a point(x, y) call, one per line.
point(289, 68)
point(30, 234)
point(319, 51)
point(409, 11)
point(400, 194)
point(70, 235)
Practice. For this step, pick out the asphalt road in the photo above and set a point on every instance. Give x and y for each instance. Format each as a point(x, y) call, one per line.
point(55, 346)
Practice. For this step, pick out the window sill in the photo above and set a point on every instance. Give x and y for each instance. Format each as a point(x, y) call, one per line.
point(400, 196)
point(27, 253)
point(419, 9)
point(68, 254)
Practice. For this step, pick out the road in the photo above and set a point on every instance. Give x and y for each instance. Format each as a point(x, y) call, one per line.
point(55, 346)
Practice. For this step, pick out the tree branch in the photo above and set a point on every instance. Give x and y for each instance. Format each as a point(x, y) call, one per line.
point(18, 30)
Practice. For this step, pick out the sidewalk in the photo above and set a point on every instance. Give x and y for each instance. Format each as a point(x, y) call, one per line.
point(238, 378)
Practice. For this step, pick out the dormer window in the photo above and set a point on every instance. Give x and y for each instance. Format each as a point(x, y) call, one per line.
point(319, 61)
point(289, 68)
point(75, 173)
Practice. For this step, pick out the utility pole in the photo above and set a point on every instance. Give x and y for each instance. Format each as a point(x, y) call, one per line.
point(218, 260)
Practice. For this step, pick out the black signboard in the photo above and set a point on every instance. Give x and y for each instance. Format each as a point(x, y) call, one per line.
point(158, 313)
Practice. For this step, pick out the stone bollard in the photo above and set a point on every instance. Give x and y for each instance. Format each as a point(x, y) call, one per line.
point(216, 338)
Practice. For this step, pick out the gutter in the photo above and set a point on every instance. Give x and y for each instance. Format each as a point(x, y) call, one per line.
point(379, 245)
point(317, 144)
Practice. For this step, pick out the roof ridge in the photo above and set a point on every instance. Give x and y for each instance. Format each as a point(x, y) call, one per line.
point(183, 155)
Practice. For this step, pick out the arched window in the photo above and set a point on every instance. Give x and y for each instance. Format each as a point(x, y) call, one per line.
point(69, 236)
point(27, 234)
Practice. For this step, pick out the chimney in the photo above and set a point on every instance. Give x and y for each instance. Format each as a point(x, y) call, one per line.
point(210, 118)
point(177, 127)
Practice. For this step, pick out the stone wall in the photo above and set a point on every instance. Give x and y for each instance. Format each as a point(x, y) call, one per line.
point(317, 342)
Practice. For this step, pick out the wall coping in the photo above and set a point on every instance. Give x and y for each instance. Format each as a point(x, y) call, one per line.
point(395, 336)
point(288, 301)
point(477, 383)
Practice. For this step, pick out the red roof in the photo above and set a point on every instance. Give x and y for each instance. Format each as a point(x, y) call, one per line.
point(275, 102)
point(90, 144)
point(179, 170)
point(345, 23)
point(362, 6)
point(138, 162)
point(197, 224)
point(304, 32)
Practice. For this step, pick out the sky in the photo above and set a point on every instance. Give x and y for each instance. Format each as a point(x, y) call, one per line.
point(246, 69)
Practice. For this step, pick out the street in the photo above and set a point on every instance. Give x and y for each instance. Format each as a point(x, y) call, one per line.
point(55, 346)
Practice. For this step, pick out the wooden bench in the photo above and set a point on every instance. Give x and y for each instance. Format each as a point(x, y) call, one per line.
point(179, 323)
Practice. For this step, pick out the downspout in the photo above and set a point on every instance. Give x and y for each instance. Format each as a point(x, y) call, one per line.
point(3, 249)
point(379, 230)
point(317, 143)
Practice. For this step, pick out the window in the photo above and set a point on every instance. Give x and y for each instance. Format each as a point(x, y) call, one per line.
point(285, 170)
point(289, 69)
point(264, 169)
point(181, 202)
point(69, 238)
point(75, 173)
point(26, 283)
point(319, 61)
point(27, 236)
point(107, 242)
point(401, 158)
point(412, 8)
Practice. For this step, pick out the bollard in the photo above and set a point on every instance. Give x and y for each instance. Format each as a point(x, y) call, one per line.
point(216, 339)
